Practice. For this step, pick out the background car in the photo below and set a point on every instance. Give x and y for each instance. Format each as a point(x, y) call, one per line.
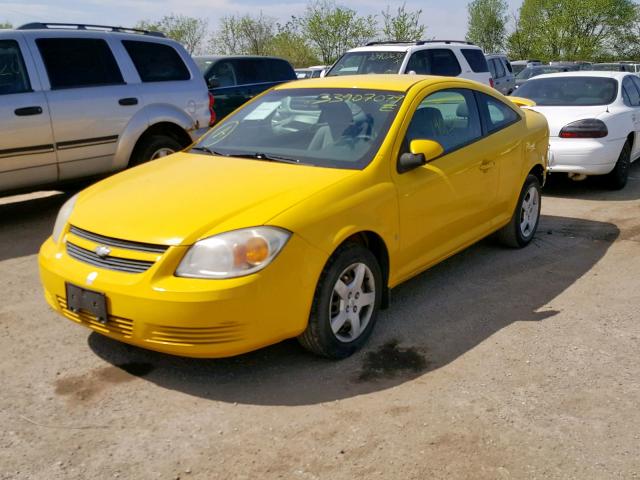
point(502, 73)
point(316, 71)
point(78, 101)
point(534, 71)
point(616, 67)
point(519, 65)
point(295, 215)
point(594, 122)
point(450, 58)
point(232, 80)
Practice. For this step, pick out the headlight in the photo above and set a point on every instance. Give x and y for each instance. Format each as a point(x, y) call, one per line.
point(233, 254)
point(63, 217)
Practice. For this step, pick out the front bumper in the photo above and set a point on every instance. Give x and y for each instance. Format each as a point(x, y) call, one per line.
point(191, 317)
point(588, 156)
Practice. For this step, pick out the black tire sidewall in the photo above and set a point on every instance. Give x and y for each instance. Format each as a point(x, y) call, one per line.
point(343, 258)
point(152, 144)
point(620, 174)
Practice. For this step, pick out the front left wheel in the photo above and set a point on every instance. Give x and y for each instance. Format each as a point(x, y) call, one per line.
point(346, 303)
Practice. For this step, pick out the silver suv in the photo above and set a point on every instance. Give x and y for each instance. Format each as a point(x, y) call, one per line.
point(450, 58)
point(79, 101)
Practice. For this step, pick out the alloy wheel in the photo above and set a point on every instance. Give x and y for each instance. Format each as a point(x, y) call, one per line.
point(352, 302)
point(529, 212)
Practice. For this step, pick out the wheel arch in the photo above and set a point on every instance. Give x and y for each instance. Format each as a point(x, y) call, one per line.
point(538, 172)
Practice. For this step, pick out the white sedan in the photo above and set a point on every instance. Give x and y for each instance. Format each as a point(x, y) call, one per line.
point(594, 122)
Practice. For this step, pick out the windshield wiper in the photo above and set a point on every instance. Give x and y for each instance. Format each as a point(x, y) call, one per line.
point(267, 156)
point(202, 148)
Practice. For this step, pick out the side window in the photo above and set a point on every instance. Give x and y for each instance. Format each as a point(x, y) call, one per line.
point(636, 82)
point(279, 70)
point(434, 61)
point(475, 59)
point(450, 117)
point(497, 115)
point(499, 68)
point(492, 68)
point(78, 62)
point(508, 65)
point(156, 62)
point(13, 74)
point(632, 92)
point(251, 70)
point(223, 74)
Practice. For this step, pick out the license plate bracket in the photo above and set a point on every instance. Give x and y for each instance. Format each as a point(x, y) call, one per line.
point(81, 299)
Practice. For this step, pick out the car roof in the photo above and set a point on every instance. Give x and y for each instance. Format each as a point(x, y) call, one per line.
point(392, 82)
point(70, 33)
point(233, 57)
point(406, 47)
point(584, 73)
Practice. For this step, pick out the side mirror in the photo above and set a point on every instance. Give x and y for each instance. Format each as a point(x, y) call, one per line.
point(213, 82)
point(422, 152)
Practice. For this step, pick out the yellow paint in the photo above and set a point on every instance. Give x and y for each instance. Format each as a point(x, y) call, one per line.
point(422, 216)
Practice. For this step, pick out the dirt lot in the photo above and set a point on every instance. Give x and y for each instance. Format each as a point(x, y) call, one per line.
point(496, 364)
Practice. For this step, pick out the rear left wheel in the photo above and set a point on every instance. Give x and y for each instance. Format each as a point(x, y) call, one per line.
point(154, 147)
point(522, 227)
point(618, 177)
point(346, 303)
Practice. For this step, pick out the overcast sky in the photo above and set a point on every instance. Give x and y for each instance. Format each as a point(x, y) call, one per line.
point(445, 19)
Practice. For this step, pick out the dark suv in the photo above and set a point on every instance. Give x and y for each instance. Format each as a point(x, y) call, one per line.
point(233, 80)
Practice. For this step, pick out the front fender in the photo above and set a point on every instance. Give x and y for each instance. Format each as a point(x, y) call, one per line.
point(140, 123)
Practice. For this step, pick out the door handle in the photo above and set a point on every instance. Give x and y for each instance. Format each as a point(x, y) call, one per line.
point(126, 102)
point(487, 165)
point(24, 111)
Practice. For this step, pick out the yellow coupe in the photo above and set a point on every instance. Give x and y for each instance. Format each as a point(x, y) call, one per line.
point(296, 214)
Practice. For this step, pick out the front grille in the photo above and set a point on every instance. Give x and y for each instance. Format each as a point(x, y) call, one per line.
point(112, 263)
point(225, 332)
point(118, 243)
point(114, 325)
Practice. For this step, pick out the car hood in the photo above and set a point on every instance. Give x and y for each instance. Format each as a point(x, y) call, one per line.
point(558, 117)
point(181, 198)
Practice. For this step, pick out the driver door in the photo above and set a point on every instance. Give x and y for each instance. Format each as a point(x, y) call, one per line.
point(446, 204)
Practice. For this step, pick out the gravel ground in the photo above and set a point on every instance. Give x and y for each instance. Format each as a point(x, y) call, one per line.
point(496, 364)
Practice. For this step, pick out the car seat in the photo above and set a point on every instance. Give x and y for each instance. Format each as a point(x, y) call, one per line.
point(334, 119)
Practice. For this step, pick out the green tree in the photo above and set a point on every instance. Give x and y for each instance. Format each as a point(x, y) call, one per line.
point(5, 25)
point(189, 31)
point(244, 35)
point(404, 25)
point(290, 44)
point(570, 30)
point(333, 29)
point(487, 20)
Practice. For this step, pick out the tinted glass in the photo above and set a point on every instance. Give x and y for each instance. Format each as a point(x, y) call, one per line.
point(499, 68)
point(631, 92)
point(636, 81)
point(250, 70)
point(508, 64)
point(476, 59)
point(278, 70)
point(570, 91)
point(13, 74)
point(222, 74)
point(340, 128)
point(76, 62)
point(497, 115)
point(450, 117)
point(436, 61)
point(356, 63)
point(156, 62)
point(492, 67)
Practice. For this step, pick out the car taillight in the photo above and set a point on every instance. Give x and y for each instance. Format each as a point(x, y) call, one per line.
point(491, 82)
point(212, 112)
point(588, 128)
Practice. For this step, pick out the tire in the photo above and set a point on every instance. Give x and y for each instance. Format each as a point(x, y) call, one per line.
point(524, 222)
point(350, 262)
point(618, 177)
point(154, 147)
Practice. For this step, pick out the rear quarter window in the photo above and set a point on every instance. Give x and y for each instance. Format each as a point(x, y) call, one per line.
point(13, 74)
point(279, 70)
point(156, 62)
point(476, 60)
point(78, 62)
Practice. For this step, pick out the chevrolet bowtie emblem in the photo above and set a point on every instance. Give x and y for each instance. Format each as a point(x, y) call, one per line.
point(102, 251)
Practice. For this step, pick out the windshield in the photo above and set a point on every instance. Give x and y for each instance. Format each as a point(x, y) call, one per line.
point(570, 91)
point(339, 127)
point(357, 63)
point(204, 63)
